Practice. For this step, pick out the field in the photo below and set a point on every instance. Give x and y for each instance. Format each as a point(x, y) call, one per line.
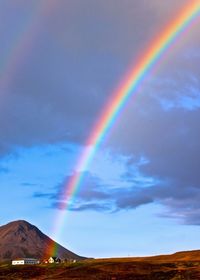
point(108, 269)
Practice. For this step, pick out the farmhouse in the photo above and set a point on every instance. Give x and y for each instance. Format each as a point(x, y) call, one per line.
point(24, 261)
point(54, 260)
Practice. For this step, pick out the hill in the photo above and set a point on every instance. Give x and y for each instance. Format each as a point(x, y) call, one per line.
point(20, 239)
point(106, 269)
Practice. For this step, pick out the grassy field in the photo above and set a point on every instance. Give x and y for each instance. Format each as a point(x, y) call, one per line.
point(107, 269)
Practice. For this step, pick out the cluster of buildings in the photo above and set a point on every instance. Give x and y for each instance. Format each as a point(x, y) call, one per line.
point(31, 261)
point(25, 261)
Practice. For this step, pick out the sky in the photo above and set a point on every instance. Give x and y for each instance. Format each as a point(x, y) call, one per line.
point(60, 62)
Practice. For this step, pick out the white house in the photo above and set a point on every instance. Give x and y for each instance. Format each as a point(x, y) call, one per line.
point(24, 261)
point(54, 260)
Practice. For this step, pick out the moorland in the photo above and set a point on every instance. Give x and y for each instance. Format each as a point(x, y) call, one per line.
point(183, 265)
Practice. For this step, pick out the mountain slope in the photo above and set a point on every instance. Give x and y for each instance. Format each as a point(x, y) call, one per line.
point(22, 239)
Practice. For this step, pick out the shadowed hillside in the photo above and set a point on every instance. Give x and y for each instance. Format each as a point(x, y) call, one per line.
point(21, 239)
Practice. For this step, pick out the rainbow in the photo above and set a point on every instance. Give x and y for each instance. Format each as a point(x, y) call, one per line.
point(118, 100)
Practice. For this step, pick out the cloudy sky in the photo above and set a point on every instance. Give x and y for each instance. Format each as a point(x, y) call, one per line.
point(60, 61)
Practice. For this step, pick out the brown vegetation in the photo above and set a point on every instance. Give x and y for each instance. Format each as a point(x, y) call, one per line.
point(109, 269)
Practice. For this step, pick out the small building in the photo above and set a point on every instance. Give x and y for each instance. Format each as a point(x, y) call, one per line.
point(24, 261)
point(54, 260)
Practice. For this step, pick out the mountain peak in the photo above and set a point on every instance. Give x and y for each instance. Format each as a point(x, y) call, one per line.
point(18, 224)
point(21, 239)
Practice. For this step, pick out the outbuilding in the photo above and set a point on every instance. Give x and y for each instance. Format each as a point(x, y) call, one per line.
point(24, 261)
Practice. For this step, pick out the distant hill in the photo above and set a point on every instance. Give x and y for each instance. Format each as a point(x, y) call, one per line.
point(193, 255)
point(21, 239)
point(185, 256)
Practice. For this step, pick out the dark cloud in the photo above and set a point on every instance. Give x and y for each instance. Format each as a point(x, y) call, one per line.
point(169, 140)
point(95, 195)
point(85, 206)
point(180, 199)
point(91, 195)
point(62, 77)
point(131, 200)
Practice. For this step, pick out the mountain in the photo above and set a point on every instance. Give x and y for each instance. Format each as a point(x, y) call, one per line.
point(20, 239)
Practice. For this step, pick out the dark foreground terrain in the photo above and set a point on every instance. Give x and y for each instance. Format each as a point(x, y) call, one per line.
point(109, 269)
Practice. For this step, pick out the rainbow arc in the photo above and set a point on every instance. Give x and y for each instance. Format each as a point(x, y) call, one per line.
point(129, 87)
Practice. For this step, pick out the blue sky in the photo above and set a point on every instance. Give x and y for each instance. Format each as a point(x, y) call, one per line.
point(60, 62)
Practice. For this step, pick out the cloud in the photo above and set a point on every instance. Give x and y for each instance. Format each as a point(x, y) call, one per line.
point(42, 195)
point(26, 184)
point(83, 207)
point(178, 193)
point(97, 194)
point(133, 188)
point(78, 56)
point(4, 169)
